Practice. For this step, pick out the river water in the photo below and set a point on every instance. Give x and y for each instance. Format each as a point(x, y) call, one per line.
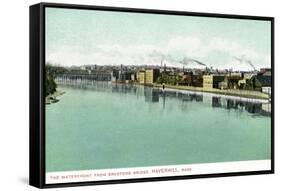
point(104, 125)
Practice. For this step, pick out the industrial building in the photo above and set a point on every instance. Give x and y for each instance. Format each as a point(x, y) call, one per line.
point(151, 75)
point(257, 82)
point(141, 77)
point(212, 81)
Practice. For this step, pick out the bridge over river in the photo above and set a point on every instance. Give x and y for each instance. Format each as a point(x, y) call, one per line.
point(82, 78)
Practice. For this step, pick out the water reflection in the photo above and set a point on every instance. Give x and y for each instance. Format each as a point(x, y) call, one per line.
point(156, 95)
point(151, 94)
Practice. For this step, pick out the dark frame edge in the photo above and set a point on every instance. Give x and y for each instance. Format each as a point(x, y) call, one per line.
point(155, 11)
point(272, 95)
point(35, 128)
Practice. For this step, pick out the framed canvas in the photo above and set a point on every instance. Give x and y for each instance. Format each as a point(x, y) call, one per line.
point(123, 95)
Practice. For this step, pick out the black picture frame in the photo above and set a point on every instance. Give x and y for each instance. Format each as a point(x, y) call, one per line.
point(37, 92)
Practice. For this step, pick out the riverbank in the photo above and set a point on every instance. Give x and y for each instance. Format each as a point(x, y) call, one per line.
point(230, 92)
point(244, 95)
point(52, 98)
point(249, 94)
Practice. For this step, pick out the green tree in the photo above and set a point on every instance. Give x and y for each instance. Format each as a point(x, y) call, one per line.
point(50, 85)
point(51, 72)
point(168, 79)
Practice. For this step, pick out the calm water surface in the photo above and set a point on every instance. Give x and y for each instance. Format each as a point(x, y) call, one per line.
point(106, 125)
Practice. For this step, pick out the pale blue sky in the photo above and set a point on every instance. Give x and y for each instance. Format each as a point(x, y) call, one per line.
point(78, 37)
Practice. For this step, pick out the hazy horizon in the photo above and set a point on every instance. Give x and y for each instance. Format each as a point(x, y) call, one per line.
point(89, 37)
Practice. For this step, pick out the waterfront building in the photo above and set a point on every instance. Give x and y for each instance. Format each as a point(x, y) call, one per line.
point(141, 77)
point(133, 76)
point(245, 77)
point(223, 85)
point(197, 80)
point(232, 81)
point(208, 81)
point(151, 75)
point(125, 75)
point(114, 75)
point(257, 82)
point(212, 81)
